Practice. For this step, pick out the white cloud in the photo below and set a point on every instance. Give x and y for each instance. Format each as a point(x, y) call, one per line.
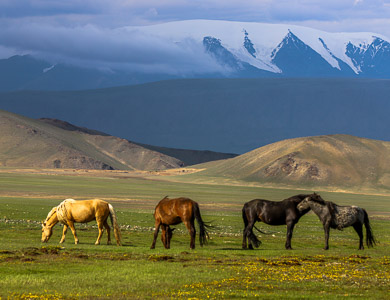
point(116, 48)
point(84, 30)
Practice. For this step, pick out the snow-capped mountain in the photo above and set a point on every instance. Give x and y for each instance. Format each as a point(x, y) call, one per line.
point(208, 49)
point(281, 49)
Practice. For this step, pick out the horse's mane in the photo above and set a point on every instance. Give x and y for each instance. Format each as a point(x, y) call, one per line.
point(61, 210)
point(331, 206)
point(298, 198)
point(51, 213)
point(318, 199)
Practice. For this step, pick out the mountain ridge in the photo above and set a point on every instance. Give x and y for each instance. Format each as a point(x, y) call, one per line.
point(223, 49)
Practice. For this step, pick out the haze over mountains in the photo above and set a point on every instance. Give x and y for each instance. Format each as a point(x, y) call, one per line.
point(223, 115)
point(212, 49)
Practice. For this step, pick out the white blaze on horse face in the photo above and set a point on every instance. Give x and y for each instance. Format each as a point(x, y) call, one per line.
point(46, 233)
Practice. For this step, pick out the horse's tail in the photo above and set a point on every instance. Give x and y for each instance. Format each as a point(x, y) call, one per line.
point(203, 232)
point(251, 236)
point(261, 231)
point(114, 222)
point(244, 217)
point(370, 239)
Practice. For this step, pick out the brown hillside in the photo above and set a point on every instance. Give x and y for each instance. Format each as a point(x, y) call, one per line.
point(25, 142)
point(189, 157)
point(335, 160)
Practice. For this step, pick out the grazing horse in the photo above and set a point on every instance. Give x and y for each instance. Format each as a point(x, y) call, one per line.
point(339, 217)
point(173, 212)
point(283, 212)
point(71, 211)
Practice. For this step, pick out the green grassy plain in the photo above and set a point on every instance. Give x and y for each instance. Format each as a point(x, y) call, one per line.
point(221, 269)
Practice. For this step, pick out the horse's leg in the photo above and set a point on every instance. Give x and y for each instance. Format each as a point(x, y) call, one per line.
point(191, 229)
point(249, 232)
point(290, 229)
point(63, 234)
point(156, 230)
point(244, 234)
point(359, 229)
point(108, 232)
point(101, 230)
point(244, 240)
point(326, 230)
point(167, 238)
point(71, 226)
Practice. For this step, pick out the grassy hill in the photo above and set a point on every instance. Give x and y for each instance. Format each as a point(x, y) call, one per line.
point(341, 161)
point(26, 142)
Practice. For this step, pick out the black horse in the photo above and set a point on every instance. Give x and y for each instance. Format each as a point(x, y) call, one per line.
point(283, 212)
point(339, 217)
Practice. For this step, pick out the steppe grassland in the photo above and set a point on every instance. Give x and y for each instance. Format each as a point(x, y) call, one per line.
point(219, 270)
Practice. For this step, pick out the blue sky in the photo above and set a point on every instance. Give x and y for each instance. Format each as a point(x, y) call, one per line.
point(76, 28)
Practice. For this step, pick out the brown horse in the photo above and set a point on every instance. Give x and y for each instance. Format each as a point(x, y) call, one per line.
point(71, 211)
point(173, 212)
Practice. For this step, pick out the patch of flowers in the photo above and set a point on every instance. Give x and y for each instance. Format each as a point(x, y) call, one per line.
point(283, 273)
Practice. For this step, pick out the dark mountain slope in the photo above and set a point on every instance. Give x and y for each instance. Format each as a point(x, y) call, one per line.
point(225, 115)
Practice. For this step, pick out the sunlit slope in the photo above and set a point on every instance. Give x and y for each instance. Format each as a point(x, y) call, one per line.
point(333, 160)
point(26, 142)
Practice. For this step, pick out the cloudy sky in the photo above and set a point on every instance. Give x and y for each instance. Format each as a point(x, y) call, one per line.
point(85, 30)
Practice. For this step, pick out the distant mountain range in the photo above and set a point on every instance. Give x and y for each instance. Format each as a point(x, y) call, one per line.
point(50, 143)
point(238, 49)
point(222, 115)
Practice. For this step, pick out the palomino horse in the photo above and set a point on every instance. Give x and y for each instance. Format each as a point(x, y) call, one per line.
point(173, 212)
point(283, 212)
point(339, 217)
point(71, 211)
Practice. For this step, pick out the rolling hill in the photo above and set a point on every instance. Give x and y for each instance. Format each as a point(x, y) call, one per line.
point(25, 142)
point(52, 143)
point(341, 161)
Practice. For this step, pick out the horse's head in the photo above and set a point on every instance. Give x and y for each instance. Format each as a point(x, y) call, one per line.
point(166, 236)
point(46, 232)
point(305, 203)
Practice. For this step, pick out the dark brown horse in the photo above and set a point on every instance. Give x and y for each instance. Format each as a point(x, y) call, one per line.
point(173, 212)
point(339, 217)
point(283, 212)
